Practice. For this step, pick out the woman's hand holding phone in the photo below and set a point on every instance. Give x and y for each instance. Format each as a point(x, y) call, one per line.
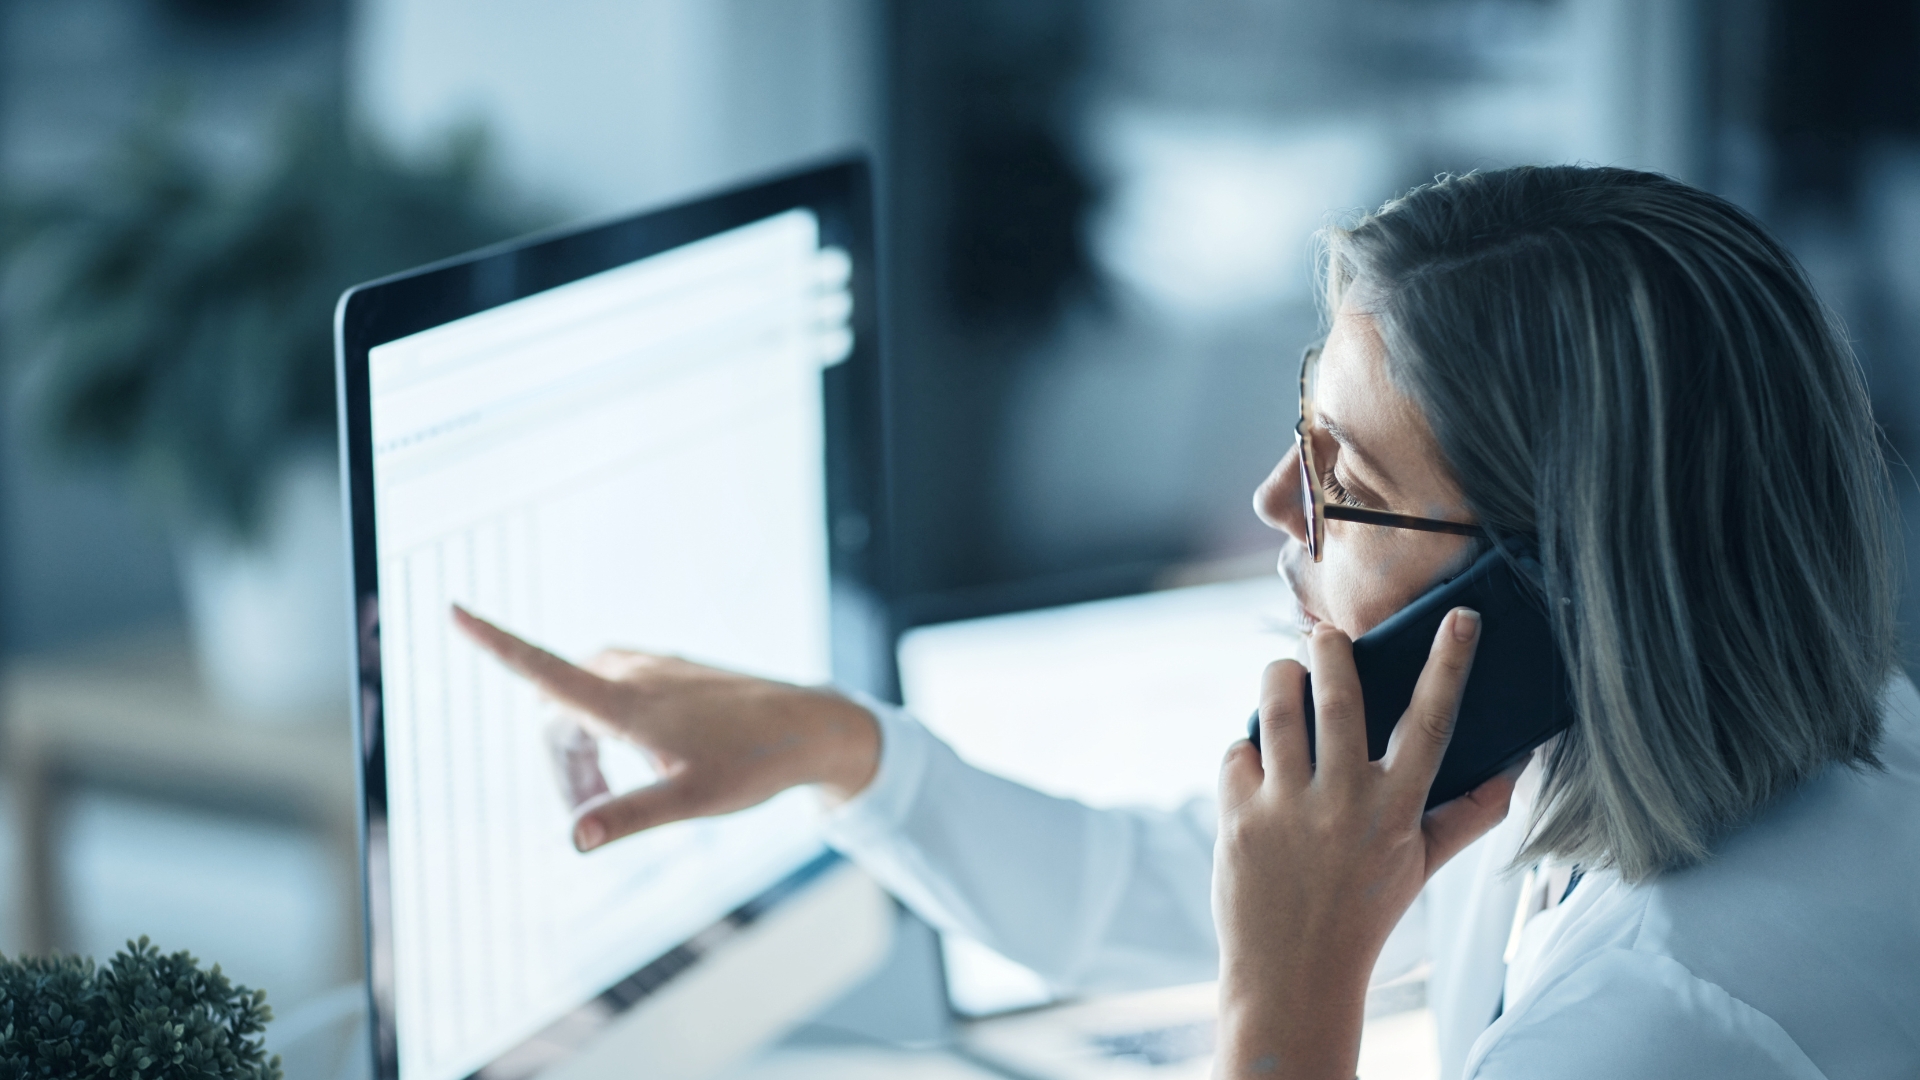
point(1319, 857)
point(720, 740)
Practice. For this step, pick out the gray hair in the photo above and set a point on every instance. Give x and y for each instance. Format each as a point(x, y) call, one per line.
point(1634, 372)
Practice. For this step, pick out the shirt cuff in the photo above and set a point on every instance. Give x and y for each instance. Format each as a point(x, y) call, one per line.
point(880, 810)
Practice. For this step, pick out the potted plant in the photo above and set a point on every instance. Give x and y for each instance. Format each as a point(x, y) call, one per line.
point(176, 329)
point(143, 1015)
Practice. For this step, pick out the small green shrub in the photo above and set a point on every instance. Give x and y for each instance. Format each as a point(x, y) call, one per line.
point(143, 1015)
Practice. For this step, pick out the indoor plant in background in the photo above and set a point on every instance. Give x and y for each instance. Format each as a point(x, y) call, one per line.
point(177, 329)
point(141, 1015)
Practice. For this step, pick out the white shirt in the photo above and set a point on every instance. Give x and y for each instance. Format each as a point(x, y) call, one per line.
point(1793, 952)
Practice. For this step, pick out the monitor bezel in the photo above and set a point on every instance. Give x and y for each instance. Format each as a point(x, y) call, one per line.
point(839, 192)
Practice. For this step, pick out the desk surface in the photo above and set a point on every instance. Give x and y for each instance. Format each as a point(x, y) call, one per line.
point(1396, 1047)
point(859, 1063)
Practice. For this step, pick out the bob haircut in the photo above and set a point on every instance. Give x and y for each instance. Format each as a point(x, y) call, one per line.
point(1633, 372)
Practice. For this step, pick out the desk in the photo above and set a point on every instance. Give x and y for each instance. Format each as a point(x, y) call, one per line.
point(1399, 1046)
point(859, 1063)
point(1168, 1034)
point(131, 715)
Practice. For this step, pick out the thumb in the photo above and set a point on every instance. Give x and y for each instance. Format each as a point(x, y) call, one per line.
point(1452, 825)
point(659, 803)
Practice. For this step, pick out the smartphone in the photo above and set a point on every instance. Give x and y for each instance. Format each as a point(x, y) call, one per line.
point(1517, 694)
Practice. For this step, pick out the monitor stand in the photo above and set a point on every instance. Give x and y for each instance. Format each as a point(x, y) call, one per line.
point(769, 977)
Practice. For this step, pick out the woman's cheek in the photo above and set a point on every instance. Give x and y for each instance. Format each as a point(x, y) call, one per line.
point(1371, 582)
point(1347, 590)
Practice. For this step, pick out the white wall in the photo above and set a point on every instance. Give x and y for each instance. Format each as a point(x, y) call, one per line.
point(608, 105)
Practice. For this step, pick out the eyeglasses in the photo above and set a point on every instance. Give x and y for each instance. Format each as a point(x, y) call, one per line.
point(1313, 492)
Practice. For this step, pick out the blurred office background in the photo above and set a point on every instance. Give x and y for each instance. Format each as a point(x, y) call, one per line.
point(1096, 220)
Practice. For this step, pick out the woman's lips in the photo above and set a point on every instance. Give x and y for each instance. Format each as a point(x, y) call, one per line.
point(1308, 620)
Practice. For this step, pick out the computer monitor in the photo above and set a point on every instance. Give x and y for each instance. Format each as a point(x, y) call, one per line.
point(659, 432)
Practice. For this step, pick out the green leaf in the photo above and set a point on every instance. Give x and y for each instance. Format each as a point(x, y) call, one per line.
point(141, 1012)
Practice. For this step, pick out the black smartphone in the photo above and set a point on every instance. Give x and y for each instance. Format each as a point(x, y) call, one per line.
point(1517, 694)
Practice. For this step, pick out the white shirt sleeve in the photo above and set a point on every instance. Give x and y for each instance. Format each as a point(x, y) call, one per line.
point(1092, 900)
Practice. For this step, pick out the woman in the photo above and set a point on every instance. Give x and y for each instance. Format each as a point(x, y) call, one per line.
point(1722, 854)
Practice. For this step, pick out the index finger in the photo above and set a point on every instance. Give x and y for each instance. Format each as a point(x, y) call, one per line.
point(1421, 737)
point(1339, 709)
point(1283, 728)
point(560, 680)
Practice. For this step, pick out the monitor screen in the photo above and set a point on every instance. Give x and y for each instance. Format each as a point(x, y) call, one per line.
point(634, 458)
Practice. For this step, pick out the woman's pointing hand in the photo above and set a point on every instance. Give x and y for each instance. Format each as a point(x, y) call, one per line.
point(721, 741)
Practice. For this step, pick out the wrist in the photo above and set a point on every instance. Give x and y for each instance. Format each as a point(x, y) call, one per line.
point(851, 738)
point(1292, 1029)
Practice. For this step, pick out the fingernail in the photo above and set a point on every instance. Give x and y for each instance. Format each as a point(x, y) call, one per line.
point(1466, 624)
point(589, 834)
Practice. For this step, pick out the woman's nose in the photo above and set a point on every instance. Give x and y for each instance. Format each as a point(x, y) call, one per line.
point(1277, 500)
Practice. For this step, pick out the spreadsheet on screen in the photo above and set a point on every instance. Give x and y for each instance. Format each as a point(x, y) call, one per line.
point(632, 459)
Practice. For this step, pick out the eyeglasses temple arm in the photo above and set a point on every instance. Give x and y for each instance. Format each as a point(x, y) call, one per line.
point(1400, 521)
